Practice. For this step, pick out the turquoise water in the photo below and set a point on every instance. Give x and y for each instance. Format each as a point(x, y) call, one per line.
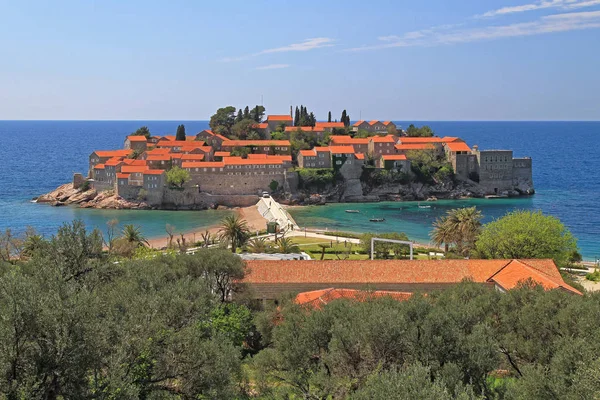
point(38, 156)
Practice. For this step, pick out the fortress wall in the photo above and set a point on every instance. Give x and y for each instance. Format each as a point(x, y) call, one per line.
point(222, 184)
point(191, 198)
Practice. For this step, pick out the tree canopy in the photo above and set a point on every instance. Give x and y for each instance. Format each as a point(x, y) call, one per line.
point(143, 131)
point(423, 131)
point(527, 234)
point(177, 176)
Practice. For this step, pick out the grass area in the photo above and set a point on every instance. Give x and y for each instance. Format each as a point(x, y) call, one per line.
point(593, 276)
point(342, 234)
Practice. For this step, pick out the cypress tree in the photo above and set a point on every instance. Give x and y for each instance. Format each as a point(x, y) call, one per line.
point(240, 116)
point(343, 118)
point(311, 119)
point(297, 117)
point(246, 113)
point(180, 135)
point(347, 123)
point(329, 117)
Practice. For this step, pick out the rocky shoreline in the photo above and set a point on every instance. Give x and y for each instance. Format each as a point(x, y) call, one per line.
point(67, 195)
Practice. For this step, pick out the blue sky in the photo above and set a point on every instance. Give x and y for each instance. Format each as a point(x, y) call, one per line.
point(400, 60)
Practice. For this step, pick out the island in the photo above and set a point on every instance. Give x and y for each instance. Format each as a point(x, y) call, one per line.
point(294, 158)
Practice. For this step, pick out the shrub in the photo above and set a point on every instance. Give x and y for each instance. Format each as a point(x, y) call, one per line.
point(316, 177)
point(142, 195)
point(85, 186)
point(593, 276)
point(274, 185)
point(177, 177)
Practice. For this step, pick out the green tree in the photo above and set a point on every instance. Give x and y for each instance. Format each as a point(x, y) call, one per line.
point(274, 185)
point(344, 118)
point(223, 120)
point(180, 135)
point(297, 117)
point(240, 116)
point(243, 128)
point(143, 131)
point(258, 245)
point(329, 117)
point(234, 231)
point(133, 234)
point(177, 176)
point(527, 234)
point(286, 245)
point(460, 227)
point(257, 113)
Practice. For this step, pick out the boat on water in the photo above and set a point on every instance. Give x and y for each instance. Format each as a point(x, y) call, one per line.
point(377, 219)
point(424, 206)
point(352, 211)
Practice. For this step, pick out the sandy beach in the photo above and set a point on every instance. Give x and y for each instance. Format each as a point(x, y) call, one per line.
point(253, 218)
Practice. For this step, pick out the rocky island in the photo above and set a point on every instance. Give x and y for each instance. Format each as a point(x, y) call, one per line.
point(295, 158)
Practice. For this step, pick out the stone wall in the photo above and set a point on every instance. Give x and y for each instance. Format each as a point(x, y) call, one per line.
point(102, 186)
point(191, 199)
point(464, 165)
point(523, 175)
point(223, 184)
point(77, 180)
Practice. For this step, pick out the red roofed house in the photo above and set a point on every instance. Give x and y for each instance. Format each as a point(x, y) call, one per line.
point(318, 157)
point(329, 126)
point(270, 279)
point(274, 121)
point(211, 138)
point(259, 146)
point(136, 143)
point(380, 145)
point(360, 145)
point(154, 180)
point(343, 155)
point(380, 127)
point(394, 162)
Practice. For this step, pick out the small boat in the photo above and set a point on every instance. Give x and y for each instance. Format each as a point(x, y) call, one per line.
point(352, 211)
point(424, 206)
point(377, 219)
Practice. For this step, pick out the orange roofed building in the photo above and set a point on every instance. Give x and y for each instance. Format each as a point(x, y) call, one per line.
point(270, 279)
point(316, 299)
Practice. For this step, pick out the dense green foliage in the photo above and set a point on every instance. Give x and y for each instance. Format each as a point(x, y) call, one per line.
point(234, 231)
point(238, 126)
point(430, 167)
point(304, 118)
point(345, 118)
point(424, 131)
point(180, 135)
point(378, 177)
point(385, 250)
point(177, 176)
point(466, 342)
point(460, 228)
point(316, 178)
point(76, 325)
point(527, 234)
point(143, 131)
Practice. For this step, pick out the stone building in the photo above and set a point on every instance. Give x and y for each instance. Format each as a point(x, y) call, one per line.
point(275, 121)
point(317, 157)
point(394, 162)
point(259, 146)
point(136, 143)
point(374, 126)
point(360, 145)
point(380, 145)
point(499, 172)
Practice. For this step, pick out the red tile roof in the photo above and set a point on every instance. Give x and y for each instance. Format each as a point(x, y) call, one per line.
point(386, 123)
point(413, 140)
point(416, 146)
point(301, 128)
point(121, 175)
point(167, 137)
point(359, 156)
point(158, 151)
point(318, 298)
point(279, 118)
point(322, 149)
point(112, 153)
point(113, 162)
point(238, 143)
point(246, 161)
point(373, 122)
point(223, 138)
point(154, 172)
point(133, 168)
point(341, 149)
point(357, 123)
point(211, 133)
point(192, 157)
point(264, 125)
point(383, 139)
point(393, 157)
point(308, 153)
point(457, 146)
point(137, 138)
point(341, 272)
point(343, 139)
point(173, 143)
point(330, 125)
point(222, 153)
point(131, 161)
point(99, 166)
point(158, 157)
point(202, 164)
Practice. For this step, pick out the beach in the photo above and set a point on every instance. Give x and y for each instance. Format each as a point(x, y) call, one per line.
point(254, 220)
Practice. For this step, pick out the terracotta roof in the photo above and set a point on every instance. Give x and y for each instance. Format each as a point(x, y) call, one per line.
point(222, 153)
point(373, 122)
point(383, 139)
point(330, 125)
point(154, 172)
point(137, 138)
point(279, 118)
point(131, 161)
point(133, 168)
point(237, 143)
point(158, 157)
point(457, 146)
point(308, 153)
point(264, 125)
point(112, 153)
point(168, 137)
point(113, 162)
point(343, 139)
point(301, 128)
point(202, 164)
point(99, 166)
point(317, 298)
point(357, 123)
point(158, 151)
point(406, 271)
point(246, 161)
point(211, 133)
point(192, 157)
point(416, 146)
point(322, 149)
point(121, 175)
point(393, 157)
point(341, 149)
point(413, 140)
point(386, 123)
point(447, 139)
point(359, 156)
point(172, 143)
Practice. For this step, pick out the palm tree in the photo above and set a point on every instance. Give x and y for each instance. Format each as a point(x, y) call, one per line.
point(258, 245)
point(460, 226)
point(234, 231)
point(286, 246)
point(132, 234)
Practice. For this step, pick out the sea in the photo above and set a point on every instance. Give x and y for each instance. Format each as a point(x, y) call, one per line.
point(38, 156)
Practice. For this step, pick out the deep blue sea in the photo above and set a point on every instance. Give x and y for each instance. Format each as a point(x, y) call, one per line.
point(38, 156)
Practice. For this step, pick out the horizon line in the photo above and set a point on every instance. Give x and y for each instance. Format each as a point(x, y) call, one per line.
point(389, 119)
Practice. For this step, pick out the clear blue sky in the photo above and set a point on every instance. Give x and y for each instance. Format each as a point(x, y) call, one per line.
point(401, 60)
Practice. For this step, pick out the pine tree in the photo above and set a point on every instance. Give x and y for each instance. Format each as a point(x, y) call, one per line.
point(343, 118)
point(180, 135)
point(329, 117)
point(297, 117)
point(240, 116)
point(312, 119)
point(247, 113)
